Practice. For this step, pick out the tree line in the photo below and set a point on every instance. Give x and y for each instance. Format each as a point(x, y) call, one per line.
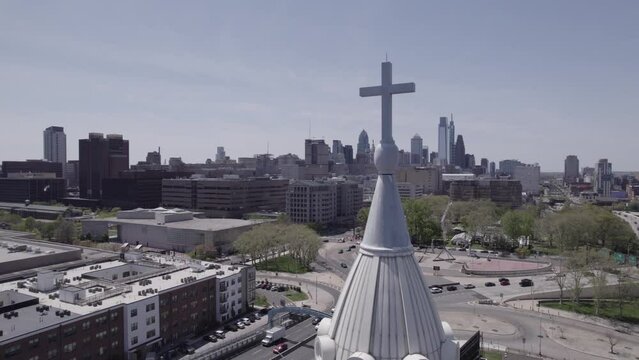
point(274, 238)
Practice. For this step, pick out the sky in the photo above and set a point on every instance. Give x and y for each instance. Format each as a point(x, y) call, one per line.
point(534, 80)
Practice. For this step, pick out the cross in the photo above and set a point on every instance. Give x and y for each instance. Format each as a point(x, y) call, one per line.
point(386, 90)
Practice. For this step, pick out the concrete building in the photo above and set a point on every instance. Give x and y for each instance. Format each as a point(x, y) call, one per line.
point(492, 171)
point(425, 156)
point(409, 190)
point(136, 188)
point(220, 155)
point(571, 169)
point(55, 144)
point(603, 178)
point(175, 229)
point(460, 152)
point(348, 154)
point(442, 148)
point(416, 149)
point(529, 177)
point(451, 141)
point(225, 197)
point(19, 251)
point(101, 158)
point(119, 309)
point(428, 179)
point(507, 167)
point(323, 202)
point(507, 193)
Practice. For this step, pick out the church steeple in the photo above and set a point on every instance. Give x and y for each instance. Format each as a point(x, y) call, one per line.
point(385, 310)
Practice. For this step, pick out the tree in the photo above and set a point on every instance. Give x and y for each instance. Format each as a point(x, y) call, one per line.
point(362, 216)
point(560, 279)
point(518, 223)
point(576, 268)
point(480, 216)
point(612, 340)
point(64, 232)
point(599, 280)
point(202, 252)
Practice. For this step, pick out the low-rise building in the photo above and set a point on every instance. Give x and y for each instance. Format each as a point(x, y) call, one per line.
point(175, 229)
point(119, 309)
point(225, 197)
point(323, 202)
point(529, 177)
point(428, 178)
point(505, 193)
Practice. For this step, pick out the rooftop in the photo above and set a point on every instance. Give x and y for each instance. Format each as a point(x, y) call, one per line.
point(14, 246)
point(192, 224)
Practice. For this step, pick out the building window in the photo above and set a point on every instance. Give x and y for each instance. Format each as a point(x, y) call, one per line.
point(150, 307)
point(150, 320)
point(134, 312)
point(52, 337)
point(52, 354)
point(12, 350)
point(69, 347)
point(101, 351)
point(134, 326)
point(150, 334)
point(114, 330)
point(34, 342)
point(86, 325)
point(34, 358)
point(69, 331)
point(114, 315)
point(115, 344)
point(134, 340)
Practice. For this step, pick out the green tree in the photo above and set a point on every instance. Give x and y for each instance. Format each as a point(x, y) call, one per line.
point(518, 223)
point(362, 216)
point(64, 232)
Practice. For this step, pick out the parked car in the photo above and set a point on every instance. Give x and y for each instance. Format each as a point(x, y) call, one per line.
point(526, 283)
point(210, 338)
point(435, 290)
point(451, 287)
point(503, 279)
point(257, 316)
point(489, 284)
point(264, 311)
point(484, 251)
point(240, 325)
point(280, 348)
point(231, 327)
point(219, 334)
point(324, 240)
point(474, 255)
point(281, 289)
point(186, 349)
point(353, 247)
point(504, 283)
point(343, 265)
point(341, 251)
point(469, 286)
point(246, 321)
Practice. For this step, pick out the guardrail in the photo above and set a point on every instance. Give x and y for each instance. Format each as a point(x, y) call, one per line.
point(236, 346)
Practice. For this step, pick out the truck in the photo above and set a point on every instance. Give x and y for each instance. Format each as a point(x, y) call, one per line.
point(273, 335)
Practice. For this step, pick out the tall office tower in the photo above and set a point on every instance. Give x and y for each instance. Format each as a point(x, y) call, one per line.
point(55, 144)
point(220, 156)
point(469, 161)
point(571, 169)
point(442, 149)
point(316, 152)
point(154, 157)
point(362, 144)
point(416, 147)
point(493, 171)
point(484, 164)
point(101, 158)
point(337, 155)
point(603, 177)
point(433, 157)
point(425, 154)
point(348, 154)
point(459, 158)
point(451, 141)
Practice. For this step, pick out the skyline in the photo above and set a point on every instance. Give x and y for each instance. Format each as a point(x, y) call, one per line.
point(221, 75)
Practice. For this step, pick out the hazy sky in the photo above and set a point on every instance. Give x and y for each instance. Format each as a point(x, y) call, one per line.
point(534, 80)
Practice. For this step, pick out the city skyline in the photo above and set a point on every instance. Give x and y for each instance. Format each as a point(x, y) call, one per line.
point(196, 79)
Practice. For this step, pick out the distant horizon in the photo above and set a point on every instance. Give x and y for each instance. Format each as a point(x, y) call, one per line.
point(527, 81)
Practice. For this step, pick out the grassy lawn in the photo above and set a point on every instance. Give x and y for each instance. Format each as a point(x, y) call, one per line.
point(608, 309)
point(282, 264)
point(492, 355)
point(260, 300)
point(296, 296)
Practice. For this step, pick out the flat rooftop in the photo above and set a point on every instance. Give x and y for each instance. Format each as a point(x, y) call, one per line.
point(192, 224)
point(16, 246)
point(49, 208)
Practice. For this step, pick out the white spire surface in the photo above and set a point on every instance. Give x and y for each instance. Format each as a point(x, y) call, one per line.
point(385, 311)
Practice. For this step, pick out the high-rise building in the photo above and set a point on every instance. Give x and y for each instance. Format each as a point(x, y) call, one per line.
point(348, 154)
point(425, 155)
point(316, 152)
point(603, 178)
point(154, 158)
point(529, 177)
point(101, 158)
point(571, 169)
point(363, 145)
point(484, 164)
point(507, 167)
point(451, 141)
point(416, 147)
point(433, 157)
point(442, 149)
point(492, 171)
point(55, 144)
point(469, 161)
point(220, 156)
point(460, 152)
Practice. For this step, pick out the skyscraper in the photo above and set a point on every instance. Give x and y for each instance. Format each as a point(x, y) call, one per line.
point(603, 177)
point(451, 141)
point(316, 152)
point(493, 171)
point(571, 169)
point(425, 155)
point(484, 163)
point(101, 158)
point(348, 154)
point(220, 156)
point(459, 158)
point(416, 147)
point(442, 149)
point(55, 144)
point(363, 145)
